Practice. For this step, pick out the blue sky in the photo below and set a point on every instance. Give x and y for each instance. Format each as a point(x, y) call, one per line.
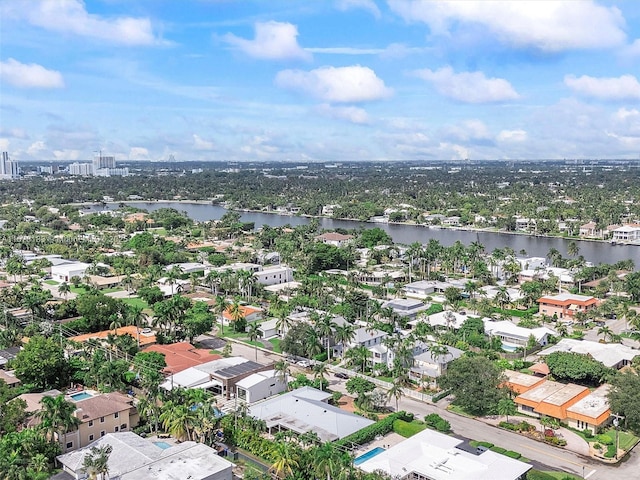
point(314, 80)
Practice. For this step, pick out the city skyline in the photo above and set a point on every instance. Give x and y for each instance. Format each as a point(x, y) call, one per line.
point(335, 80)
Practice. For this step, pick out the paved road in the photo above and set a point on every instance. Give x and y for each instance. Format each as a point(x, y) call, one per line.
point(540, 453)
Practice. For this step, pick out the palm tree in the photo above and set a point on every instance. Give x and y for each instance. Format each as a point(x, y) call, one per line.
point(173, 275)
point(507, 407)
point(358, 356)
point(97, 462)
point(344, 335)
point(396, 389)
point(235, 310)
point(319, 372)
point(220, 307)
point(213, 280)
point(328, 461)
point(284, 323)
point(282, 372)
point(177, 419)
point(57, 417)
point(64, 289)
point(285, 459)
point(606, 333)
point(254, 332)
point(573, 249)
point(325, 327)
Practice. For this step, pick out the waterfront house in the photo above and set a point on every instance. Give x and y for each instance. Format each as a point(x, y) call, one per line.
point(565, 305)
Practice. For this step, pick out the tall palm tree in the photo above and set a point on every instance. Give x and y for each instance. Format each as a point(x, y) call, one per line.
point(57, 417)
point(213, 280)
point(283, 323)
point(97, 462)
point(235, 310)
point(64, 289)
point(286, 459)
point(178, 420)
point(344, 335)
point(396, 391)
point(325, 327)
point(173, 275)
point(319, 372)
point(282, 372)
point(220, 307)
point(254, 332)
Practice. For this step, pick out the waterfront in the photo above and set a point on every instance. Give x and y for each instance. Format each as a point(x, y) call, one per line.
point(592, 251)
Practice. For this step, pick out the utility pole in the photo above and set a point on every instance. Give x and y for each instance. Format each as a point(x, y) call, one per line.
point(616, 423)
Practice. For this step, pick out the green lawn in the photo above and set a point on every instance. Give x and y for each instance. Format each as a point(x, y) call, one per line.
point(276, 345)
point(136, 301)
point(459, 410)
point(51, 282)
point(625, 439)
point(112, 289)
point(78, 290)
point(408, 429)
point(562, 476)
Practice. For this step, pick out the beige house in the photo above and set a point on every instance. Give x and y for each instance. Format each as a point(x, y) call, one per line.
point(99, 415)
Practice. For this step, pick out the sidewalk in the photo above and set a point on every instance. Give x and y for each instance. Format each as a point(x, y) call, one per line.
point(575, 442)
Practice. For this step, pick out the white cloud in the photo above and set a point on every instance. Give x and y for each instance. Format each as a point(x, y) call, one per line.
point(30, 75)
point(607, 88)
point(545, 25)
point(273, 41)
point(202, 145)
point(633, 50)
point(36, 147)
point(468, 87)
point(336, 84)
point(368, 5)
point(512, 136)
point(351, 114)
point(13, 132)
point(467, 131)
point(138, 153)
point(71, 16)
point(4, 144)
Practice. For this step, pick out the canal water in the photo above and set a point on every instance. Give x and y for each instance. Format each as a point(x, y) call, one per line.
point(596, 252)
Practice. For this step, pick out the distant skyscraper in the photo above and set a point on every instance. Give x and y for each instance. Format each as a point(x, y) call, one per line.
point(8, 168)
point(103, 161)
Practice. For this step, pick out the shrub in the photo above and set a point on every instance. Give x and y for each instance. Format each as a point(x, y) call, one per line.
point(604, 439)
point(587, 433)
point(611, 451)
point(435, 421)
point(440, 396)
point(443, 426)
point(498, 449)
point(512, 454)
point(508, 425)
point(485, 444)
point(597, 446)
point(369, 433)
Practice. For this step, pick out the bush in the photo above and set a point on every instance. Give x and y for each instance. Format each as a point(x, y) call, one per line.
point(369, 433)
point(435, 421)
point(587, 433)
point(498, 449)
point(440, 396)
point(605, 439)
point(485, 444)
point(611, 451)
point(512, 454)
point(597, 446)
point(508, 426)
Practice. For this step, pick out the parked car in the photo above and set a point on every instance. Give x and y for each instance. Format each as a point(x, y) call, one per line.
point(291, 359)
point(303, 363)
point(344, 376)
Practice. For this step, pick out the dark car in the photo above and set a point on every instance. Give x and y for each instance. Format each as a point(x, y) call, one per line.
point(344, 376)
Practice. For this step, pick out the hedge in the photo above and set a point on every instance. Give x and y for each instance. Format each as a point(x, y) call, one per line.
point(435, 421)
point(512, 454)
point(369, 433)
point(538, 475)
point(440, 396)
point(485, 444)
point(498, 450)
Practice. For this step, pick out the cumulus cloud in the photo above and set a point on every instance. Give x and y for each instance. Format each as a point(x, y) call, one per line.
point(30, 75)
point(351, 114)
point(474, 131)
point(336, 84)
point(36, 147)
point(138, 153)
point(4, 144)
point(72, 17)
point(512, 136)
point(13, 133)
point(368, 5)
point(468, 87)
point(202, 145)
point(273, 41)
point(548, 26)
point(625, 87)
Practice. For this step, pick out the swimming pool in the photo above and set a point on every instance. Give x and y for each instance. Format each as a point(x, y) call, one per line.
point(80, 396)
point(162, 445)
point(507, 347)
point(366, 456)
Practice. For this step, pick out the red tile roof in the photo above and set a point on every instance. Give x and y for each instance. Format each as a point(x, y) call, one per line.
point(182, 355)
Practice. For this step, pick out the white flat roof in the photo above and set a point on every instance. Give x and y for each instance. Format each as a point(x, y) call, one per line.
point(435, 456)
point(609, 354)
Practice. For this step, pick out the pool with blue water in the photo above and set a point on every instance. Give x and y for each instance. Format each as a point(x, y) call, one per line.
point(368, 455)
point(162, 445)
point(80, 396)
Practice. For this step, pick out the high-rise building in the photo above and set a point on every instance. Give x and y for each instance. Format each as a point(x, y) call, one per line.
point(101, 161)
point(8, 168)
point(84, 169)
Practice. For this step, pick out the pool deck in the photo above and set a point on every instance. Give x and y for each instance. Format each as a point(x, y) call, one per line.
point(389, 440)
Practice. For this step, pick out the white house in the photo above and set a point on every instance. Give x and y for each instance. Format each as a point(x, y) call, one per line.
point(513, 335)
point(259, 386)
point(334, 238)
point(406, 307)
point(430, 455)
point(430, 365)
point(135, 458)
point(275, 275)
point(612, 355)
point(66, 271)
point(626, 234)
point(364, 337)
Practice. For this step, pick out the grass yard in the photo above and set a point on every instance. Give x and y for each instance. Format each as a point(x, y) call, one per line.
point(137, 302)
point(625, 439)
point(276, 344)
point(408, 429)
point(459, 410)
point(562, 476)
point(51, 282)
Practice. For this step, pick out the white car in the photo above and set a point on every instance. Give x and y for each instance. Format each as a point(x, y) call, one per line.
point(303, 363)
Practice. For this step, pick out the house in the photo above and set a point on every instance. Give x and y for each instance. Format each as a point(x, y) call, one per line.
point(420, 289)
point(219, 376)
point(519, 382)
point(612, 355)
point(430, 455)
point(9, 377)
point(306, 410)
point(64, 272)
point(592, 412)
point(33, 401)
point(187, 268)
point(550, 399)
point(182, 355)
point(514, 336)
point(362, 337)
point(143, 336)
point(626, 234)
point(590, 230)
point(249, 313)
point(406, 307)
point(274, 275)
point(8, 354)
point(259, 386)
point(428, 364)
point(334, 238)
point(565, 305)
point(447, 319)
point(269, 329)
point(135, 458)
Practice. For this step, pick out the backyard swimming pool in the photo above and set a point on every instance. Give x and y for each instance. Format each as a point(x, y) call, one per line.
point(366, 456)
point(162, 445)
point(80, 396)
